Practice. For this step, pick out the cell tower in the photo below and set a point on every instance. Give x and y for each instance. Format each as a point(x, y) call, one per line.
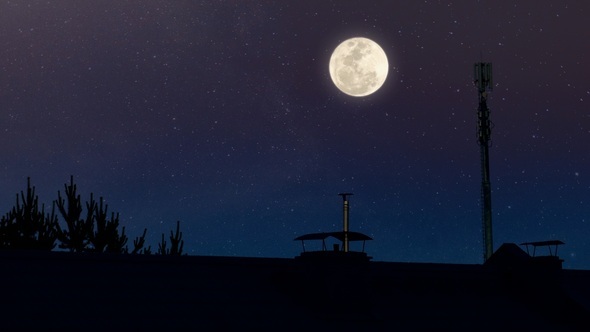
point(483, 82)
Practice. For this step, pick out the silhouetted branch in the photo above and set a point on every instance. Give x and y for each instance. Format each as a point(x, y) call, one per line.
point(162, 247)
point(139, 242)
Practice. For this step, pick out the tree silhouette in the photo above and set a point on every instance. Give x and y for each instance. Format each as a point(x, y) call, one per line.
point(76, 236)
point(106, 237)
point(97, 232)
point(27, 227)
point(176, 243)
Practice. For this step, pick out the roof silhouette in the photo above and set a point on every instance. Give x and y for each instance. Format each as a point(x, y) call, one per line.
point(509, 254)
point(52, 290)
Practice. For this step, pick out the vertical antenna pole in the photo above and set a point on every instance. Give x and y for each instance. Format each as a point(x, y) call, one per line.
point(483, 82)
point(345, 219)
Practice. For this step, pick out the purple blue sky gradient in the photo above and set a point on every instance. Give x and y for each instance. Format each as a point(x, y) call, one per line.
point(222, 114)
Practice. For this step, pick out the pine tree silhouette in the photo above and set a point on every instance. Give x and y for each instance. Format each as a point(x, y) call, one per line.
point(106, 237)
point(27, 227)
point(76, 236)
point(176, 243)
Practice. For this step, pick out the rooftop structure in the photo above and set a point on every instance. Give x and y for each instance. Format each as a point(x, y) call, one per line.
point(339, 252)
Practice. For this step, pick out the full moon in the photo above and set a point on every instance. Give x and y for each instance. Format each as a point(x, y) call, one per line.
point(358, 67)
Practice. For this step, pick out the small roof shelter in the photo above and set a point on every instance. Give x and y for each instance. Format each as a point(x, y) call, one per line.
point(552, 245)
point(345, 236)
point(352, 236)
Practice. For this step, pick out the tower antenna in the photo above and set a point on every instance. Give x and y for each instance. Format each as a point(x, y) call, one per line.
point(483, 83)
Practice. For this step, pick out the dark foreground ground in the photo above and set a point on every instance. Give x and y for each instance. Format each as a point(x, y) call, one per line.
point(100, 292)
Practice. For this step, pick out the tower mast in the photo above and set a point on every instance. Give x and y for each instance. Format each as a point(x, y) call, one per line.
point(483, 82)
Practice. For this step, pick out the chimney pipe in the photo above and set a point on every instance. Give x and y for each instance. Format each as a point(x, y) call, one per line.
point(345, 219)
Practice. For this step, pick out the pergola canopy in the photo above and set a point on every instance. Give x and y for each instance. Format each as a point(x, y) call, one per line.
point(352, 236)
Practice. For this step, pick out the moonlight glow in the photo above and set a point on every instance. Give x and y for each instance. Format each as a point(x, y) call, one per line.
point(358, 67)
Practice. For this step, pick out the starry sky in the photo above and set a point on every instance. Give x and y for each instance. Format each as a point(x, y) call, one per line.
point(222, 115)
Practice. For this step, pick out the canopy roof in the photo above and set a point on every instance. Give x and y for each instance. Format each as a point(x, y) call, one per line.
point(543, 243)
point(352, 236)
point(548, 244)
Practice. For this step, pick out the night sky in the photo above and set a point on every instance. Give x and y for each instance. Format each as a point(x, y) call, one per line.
point(222, 114)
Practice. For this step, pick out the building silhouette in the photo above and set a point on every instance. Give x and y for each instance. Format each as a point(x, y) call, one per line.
point(511, 291)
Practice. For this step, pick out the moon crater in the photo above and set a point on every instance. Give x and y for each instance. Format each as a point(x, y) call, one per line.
point(358, 67)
